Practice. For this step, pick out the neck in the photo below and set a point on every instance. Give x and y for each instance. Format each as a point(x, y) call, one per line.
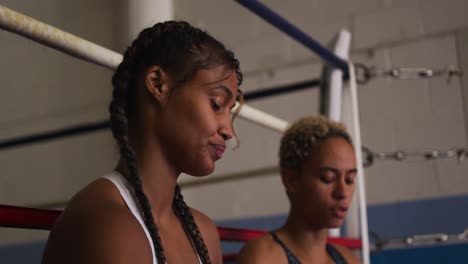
point(158, 179)
point(309, 241)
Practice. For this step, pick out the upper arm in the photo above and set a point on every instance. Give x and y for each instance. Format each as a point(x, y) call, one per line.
point(114, 239)
point(91, 236)
point(209, 232)
point(257, 251)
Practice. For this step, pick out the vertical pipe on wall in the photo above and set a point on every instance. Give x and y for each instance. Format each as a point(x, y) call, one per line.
point(462, 42)
point(351, 110)
point(332, 87)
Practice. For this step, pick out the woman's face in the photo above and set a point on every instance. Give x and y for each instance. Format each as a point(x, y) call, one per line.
point(196, 120)
point(324, 187)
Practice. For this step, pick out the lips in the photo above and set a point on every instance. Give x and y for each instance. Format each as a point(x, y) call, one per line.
point(218, 149)
point(339, 212)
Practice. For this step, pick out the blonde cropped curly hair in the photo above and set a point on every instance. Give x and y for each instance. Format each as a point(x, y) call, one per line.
point(304, 135)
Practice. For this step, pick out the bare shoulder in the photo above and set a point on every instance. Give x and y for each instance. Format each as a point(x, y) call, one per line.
point(350, 257)
point(97, 227)
point(204, 222)
point(209, 232)
point(261, 250)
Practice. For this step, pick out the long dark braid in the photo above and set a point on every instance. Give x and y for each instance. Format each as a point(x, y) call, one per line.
point(181, 50)
point(180, 208)
point(118, 109)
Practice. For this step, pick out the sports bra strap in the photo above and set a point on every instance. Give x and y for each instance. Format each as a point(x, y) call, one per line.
point(335, 255)
point(331, 250)
point(291, 258)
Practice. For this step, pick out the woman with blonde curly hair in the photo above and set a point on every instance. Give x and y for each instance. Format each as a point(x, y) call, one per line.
point(318, 169)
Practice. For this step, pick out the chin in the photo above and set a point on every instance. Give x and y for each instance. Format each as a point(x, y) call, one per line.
point(201, 173)
point(204, 169)
point(335, 223)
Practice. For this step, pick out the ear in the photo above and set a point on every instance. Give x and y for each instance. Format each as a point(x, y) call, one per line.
point(157, 83)
point(289, 178)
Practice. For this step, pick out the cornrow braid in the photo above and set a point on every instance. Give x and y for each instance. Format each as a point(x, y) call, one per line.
point(181, 50)
point(182, 210)
point(119, 123)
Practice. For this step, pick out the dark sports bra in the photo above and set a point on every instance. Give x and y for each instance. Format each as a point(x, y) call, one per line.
point(331, 250)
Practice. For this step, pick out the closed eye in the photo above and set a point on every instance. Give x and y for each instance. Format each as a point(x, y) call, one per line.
point(349, 180)
point(214, 105)
point(351, 176)
point(326, 180)
point(327, 175)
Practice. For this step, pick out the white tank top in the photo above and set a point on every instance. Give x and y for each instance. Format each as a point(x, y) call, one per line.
point(126, 191)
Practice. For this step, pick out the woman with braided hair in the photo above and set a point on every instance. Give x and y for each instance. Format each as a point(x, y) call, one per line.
point(318, 169)
point(170, 114)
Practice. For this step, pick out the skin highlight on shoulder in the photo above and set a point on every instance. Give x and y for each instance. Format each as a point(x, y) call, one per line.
point(261, 250)
point(97, 219)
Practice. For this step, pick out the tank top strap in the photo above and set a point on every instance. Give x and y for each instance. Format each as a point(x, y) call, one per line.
point(335, 255)
point(331, 250)
point(126, 191)
point(291, 258)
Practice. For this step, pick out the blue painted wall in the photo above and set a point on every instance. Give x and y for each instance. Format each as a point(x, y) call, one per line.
point(22, 254)
point(447, 215)
point(448, 254)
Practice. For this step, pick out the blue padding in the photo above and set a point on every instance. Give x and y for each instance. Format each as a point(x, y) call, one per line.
point(444, 215)
point(428, 255)
point(30, 253)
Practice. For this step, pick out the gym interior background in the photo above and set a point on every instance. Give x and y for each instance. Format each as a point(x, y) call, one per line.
point(43, 90)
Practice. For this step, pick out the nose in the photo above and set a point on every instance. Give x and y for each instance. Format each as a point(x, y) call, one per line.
point(342, 190)
point(226, 130)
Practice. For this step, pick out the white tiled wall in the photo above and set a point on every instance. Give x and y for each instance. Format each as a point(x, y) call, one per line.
point(440, 16)
point(382, 27)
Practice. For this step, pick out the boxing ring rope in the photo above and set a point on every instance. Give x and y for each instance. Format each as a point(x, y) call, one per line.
point(353, 108)
point(44, 219)
point(289, 29)
point(30, 28)
point(74, 46)
point(50, 36)
point(55, 134)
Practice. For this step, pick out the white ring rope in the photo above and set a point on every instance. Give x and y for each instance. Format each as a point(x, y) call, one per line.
point(261, 118)
point(77, 47)
point(356, 129)
point(57, 39)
